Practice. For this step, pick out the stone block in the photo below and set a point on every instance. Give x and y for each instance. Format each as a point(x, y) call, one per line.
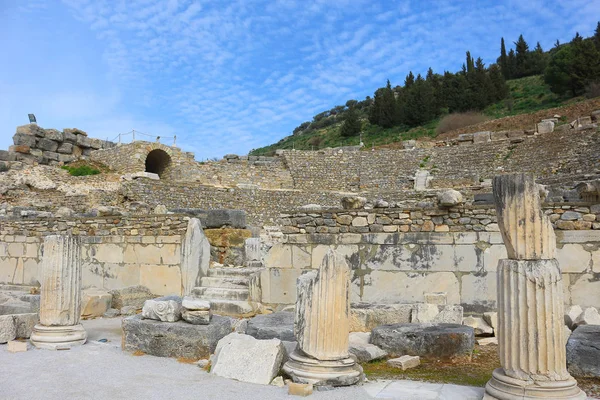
point(83, 141)
point(405, 362)
point(196, 317)
point(7, 156)
point(363, 350)
point(478, 324)
point(25, 323)
point(246, 359)
point(481, 137)
point(487, 341)
point(19, 149)
point(8, 328)
point(449, 314)
point(47, 145)
point(465, 137)
point(545, 127)
point(438, 298)
point(450, 198)
point(195, 304)
point(166, 309)
point(279, 325)
point(95, 302)
point(491, 318)
point(571, 315)
point(589, 316)
point(583, 352)
point(500, 135)
point(366, 316)
point(131, 296)
point(53, 134)
point(300, 389)
point(424, 313)
point(15, 346)
point(177, 339)
point(440, 341)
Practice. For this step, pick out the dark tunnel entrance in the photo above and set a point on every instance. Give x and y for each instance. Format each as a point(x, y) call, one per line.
point(157, 162)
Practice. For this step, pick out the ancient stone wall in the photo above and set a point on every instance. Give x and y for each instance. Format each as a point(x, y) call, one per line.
point(33, 144)
point(401, 267)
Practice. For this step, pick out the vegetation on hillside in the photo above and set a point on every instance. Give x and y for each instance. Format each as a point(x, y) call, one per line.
point(522, 81)
point(82, 170)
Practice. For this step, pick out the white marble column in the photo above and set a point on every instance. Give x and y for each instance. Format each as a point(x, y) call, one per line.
point(60, 296)
point(530, 300)
point(322, 327)
point(195, 256)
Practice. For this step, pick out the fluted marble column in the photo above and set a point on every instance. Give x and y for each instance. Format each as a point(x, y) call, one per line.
point(322, 327)
point(60, 296)
point(530, 300)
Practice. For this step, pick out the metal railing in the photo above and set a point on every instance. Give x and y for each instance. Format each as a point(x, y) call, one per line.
point(130, 137)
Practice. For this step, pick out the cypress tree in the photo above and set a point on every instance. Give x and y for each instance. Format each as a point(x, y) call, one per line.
point(522, 56)
point(497, 79)
point(596, 37)
point(512, 64)
point(351, 126)
point(503, 60)
point(410, 79)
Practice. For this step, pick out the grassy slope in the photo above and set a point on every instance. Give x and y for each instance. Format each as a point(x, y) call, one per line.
point(528, 95)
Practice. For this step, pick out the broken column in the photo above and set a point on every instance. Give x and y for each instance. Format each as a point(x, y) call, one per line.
point(60, 296)
point(530, 300)
point(195, 256)
point(321, 327)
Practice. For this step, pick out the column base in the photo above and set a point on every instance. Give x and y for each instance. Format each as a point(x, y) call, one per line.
point(303, 369)
point(58, 337)
point(502, 387)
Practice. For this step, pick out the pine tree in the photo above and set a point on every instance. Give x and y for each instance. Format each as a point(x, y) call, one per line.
point(420, 105)
point(351, 126)
point(596, 37)
point(410, 79)
point(537, 60)
point(503, 60)
point(512, 64)
point(522, 56)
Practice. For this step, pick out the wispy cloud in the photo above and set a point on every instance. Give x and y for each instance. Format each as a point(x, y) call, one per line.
point(231, 76)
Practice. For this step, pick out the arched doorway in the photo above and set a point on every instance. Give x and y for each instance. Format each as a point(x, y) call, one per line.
point(157, 162)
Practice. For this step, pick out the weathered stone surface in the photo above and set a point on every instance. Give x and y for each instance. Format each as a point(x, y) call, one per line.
point(195, 256)
point(95, 302)
point(480, 327)
point(424, 313)
point(8, 328)
point(300, 389)
point(545, 127)
point(583, 352)
point(491, 318)
point(22, 139)
point(246, 359)
point(353, 202)
point(195, 304)
point(405, 362)
point(362, 349)
point(443, 341)
point(589, 316)
point(571, 314)
point(65, 148)
point(177, 339)
point(450, 198)
point(131, 296)
point(526, 230)
point(16, 346)
point(196, 317)
point(482, 137)
point(487, 341)
point(366, 316)
point(128, 310)
point(279, 325)
point(111, 313)
point(449, 314)
point(25, 324)
point(166, 309)
point(439, 298)
point(47, 145)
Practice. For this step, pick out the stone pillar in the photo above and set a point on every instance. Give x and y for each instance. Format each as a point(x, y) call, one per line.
point(530, 300)
point(322, 326)
point(60, 296)
point(195, 256)
point(252, 247)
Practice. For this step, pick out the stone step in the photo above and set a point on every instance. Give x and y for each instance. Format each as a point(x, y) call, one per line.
point(210, 293)
point(224, 271)
point(234, 308)
point(228, 282)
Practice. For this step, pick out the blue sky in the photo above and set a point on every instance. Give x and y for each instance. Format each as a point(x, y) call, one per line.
point(229, 76)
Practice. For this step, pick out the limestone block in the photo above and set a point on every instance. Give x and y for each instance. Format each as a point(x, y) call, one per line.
point(246, 359)
point(279, 256)
point(131, 296)
point(60, 296)
point(195, 256)
point(405, 362)
point(424, 313)
point(585, 290)
point(481, 137)
point(95, 302)
point(545, 127)
point(364, 351)
point(353, 202)
point(589, 316)
point(573, 257)
point(571, 315)
point(128, 310)
point(323, 310)
point(300, 389)
point(480, 327)
point(360, 221)
point(16, 346)
point(487, 341)
point(112, 313)
point(25, 324)
point(366, 316)
point(167, 309)
point(177, 339)
point(161, 279)
point(439, 298)
point(526, 230)
point(195, 304)
point(279, 325)
point(449, 314)
point(196, 317)
point(440, 341)
point(8, 328)
point(583, 352)
point(491, 318)
point(22, 139)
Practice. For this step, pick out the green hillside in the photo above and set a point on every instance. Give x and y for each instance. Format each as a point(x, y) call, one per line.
point(526, 95)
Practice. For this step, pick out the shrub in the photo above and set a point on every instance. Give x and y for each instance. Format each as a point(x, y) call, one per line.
point(315, 141)
point(82, 170)
point(3, 167)
point(459, 120)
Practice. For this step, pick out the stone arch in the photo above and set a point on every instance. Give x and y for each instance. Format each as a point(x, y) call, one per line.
point(157, 162)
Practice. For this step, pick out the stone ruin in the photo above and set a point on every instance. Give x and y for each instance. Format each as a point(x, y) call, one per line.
point(224, 261)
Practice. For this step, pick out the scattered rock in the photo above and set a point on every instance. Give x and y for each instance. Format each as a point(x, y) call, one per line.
point(166, 309)
point(15, 346)
point(278, 381)
point(279, 325)
point(363, 350)
point(203, 363)
point(176, 339)
point(379, 203)
point(450, 198)
point(246, 359)
point(486, 341)
point(195, 304)
point(129, 310)
point(479, 325)
point(450, 314)
point(64, 212)
point(8, 328)
point(353, 202)
point(300, 389)
point(366, 316)
point(571, 314)
point(589, 316)
point(311, 207)
point(131, 296)
point(583, 352)
point(24, 324)
point(160, 209)
point(111, 313)
point(196, 317)
point(441, 341)
point(405, 362)
point(95, 302)
point(491, 318)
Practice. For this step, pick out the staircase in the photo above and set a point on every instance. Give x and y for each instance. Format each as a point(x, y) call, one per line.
point(232, 291)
